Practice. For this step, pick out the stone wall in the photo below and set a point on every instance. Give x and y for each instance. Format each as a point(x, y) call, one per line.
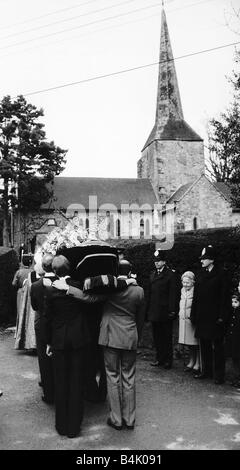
point(170, 164)
point(206, 204)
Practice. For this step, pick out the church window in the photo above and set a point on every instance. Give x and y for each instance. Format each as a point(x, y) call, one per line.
point(141, 228)
point(118, 228)
point(87, 223)
point(195, 223)
point(180, 226)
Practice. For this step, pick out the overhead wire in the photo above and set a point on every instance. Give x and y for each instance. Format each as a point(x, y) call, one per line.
point(106, 28)
point(90, 23)
point(99, 10)
point(81, 26)
point(119, 72)
point(36, 18)
point(55, 12)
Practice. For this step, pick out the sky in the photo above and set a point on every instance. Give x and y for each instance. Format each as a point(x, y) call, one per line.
point(104, 123)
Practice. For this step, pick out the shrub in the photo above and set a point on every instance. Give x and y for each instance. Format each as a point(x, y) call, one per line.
point(186, 252)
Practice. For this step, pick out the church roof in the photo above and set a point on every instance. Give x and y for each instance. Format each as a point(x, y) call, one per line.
point(173, 130)
point(223, 188)
point(169, 121)
point(179, 193)
point(117, 191)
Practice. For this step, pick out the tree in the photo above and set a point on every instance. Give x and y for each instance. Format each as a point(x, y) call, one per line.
point(27, 161)
point(224, 142)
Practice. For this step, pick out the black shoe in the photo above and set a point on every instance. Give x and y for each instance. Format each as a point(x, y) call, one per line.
point(127, 426)
point(61, 432)
point(71, 436)
point(110, 423)
point(155, 364)
point(167, 365)
point(188, 369)
point(46, 400)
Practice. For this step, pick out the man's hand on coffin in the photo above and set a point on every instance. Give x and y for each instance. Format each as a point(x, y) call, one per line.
point(131, 282)
point(60, 284)
point(49, 350)
point(47, 282)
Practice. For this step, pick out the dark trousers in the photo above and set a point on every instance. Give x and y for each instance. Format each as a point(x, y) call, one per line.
point(69, 375)
point(213, 357)
point(163, 342)
point(45, 367)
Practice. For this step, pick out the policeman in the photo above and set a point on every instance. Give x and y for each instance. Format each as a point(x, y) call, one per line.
point(210, 313)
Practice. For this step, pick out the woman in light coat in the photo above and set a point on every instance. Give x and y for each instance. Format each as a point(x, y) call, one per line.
point(186, 329)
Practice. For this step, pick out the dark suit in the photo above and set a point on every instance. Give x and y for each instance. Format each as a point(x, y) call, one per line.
point(68, 334)
point(45, 362)
point(162, 301)
point(210, 312)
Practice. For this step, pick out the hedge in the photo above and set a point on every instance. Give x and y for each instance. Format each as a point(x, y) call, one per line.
point(8, 267)
point(186, 252)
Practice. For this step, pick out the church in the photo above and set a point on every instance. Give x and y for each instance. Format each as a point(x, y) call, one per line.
point(170, 173)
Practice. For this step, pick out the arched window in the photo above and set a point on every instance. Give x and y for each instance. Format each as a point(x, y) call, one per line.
point(141, 228)
point(195, 223)
point(87, 223)
point(118, 228)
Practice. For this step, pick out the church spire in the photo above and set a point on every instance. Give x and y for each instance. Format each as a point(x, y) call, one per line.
point(169, 120)
point(168, 97)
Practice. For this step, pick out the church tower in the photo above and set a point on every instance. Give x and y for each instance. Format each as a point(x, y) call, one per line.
point(173, 154)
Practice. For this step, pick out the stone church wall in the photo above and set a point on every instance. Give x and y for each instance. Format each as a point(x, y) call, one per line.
point(204, 204)
point(170, 164)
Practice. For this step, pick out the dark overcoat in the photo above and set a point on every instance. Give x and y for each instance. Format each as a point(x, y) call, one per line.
point(233, 335)
point(66, 320)
point(37, 294)
point(211, 303)
point(163, 295)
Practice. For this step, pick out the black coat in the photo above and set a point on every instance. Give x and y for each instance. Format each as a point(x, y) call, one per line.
point(37, 294)
point(233, 335)
point(66, 325)
point(211, 303)
point(163, 295)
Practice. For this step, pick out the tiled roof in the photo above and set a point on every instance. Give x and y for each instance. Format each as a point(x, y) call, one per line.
point(179, 193)
point(173, 130)
point(117, 191)
point(224, 189)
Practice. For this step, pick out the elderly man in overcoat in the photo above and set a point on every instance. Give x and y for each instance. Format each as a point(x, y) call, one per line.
point(161, 308)
point(210, 312)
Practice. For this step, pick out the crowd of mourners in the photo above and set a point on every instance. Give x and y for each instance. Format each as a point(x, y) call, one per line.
point(87, 338)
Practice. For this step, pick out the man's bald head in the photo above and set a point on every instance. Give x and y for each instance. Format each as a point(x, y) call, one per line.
point(47, 262)
point(61, 266)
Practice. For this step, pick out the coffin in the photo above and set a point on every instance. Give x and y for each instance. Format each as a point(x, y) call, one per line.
point(91, 259)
